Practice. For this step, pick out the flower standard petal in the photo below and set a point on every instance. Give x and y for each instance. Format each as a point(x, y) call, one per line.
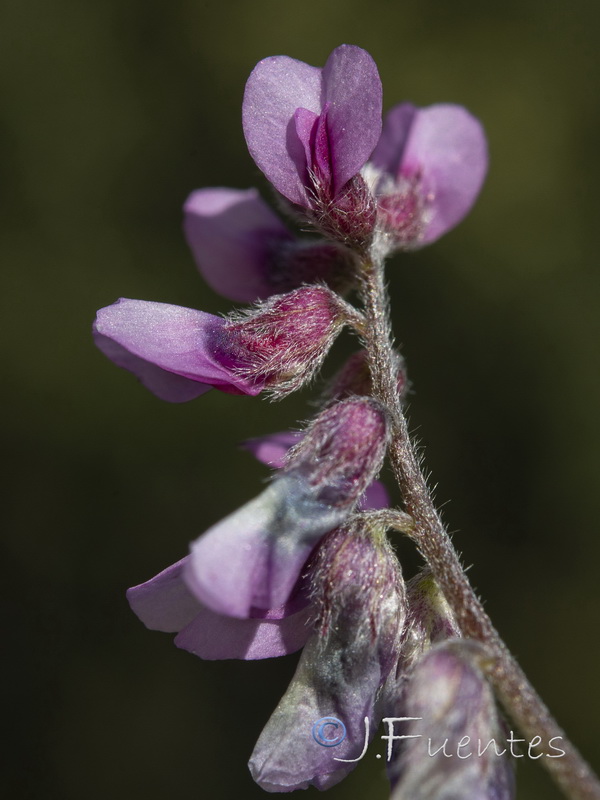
point(390, 147)
point(181, 341)
point(233, 234)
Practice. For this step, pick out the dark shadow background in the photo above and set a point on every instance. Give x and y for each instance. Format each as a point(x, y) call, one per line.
point(112, 112)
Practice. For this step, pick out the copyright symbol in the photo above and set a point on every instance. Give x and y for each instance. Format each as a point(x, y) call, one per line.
point(329, 731)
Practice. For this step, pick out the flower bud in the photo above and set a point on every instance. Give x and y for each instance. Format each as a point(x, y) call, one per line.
point(458, 749)
point(359, 594)
point(430, 619)
point(358, 587)
point(283, 341)
point(355, 378)
point(342, 451)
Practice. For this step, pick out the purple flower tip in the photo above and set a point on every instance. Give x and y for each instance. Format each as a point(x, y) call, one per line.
point(306, 126)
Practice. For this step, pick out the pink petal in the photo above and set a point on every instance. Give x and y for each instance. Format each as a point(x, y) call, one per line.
point(390, 148)
point(272, 448)
point(253, 558)
point(375, 497)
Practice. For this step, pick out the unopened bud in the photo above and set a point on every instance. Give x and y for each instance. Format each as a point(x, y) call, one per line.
point(358, 588)
point(355, 377)
point(343, 450)
point(430, 618)
point(456, 746)
point(283, 341)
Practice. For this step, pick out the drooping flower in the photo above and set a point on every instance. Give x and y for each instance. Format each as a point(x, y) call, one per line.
point(359, 594)
point(245, 252)
point(253, 557)
point(457, 747)
point(248, 565)
point(180, 353)
point(311, 130)
point(427, 171)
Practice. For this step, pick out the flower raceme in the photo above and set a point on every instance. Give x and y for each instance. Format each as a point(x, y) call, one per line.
point(179, 353)
point(306, 563)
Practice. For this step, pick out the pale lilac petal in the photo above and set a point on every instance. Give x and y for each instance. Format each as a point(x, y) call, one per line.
point(164, 603)
point(165, 385)
point(232, 234)
point(214, 636)
point(254, 557)
point(375, 497)
point(277, 87)
point(178, 340)
point(447, 149)
point(390, 148)
point(272, 448)
point(352, 88)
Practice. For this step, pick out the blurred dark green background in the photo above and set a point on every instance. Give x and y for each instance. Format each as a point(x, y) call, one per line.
point(112, 112)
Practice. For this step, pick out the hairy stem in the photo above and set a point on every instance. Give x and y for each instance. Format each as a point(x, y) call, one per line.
point(520, 700)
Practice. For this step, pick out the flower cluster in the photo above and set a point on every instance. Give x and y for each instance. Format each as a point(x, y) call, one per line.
point(307, 563)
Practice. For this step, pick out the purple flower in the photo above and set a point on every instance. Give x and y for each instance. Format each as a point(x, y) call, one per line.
point(245, 252)
point(430, 164)
point(179, 353)
point(309, 129)
point(359, 594)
